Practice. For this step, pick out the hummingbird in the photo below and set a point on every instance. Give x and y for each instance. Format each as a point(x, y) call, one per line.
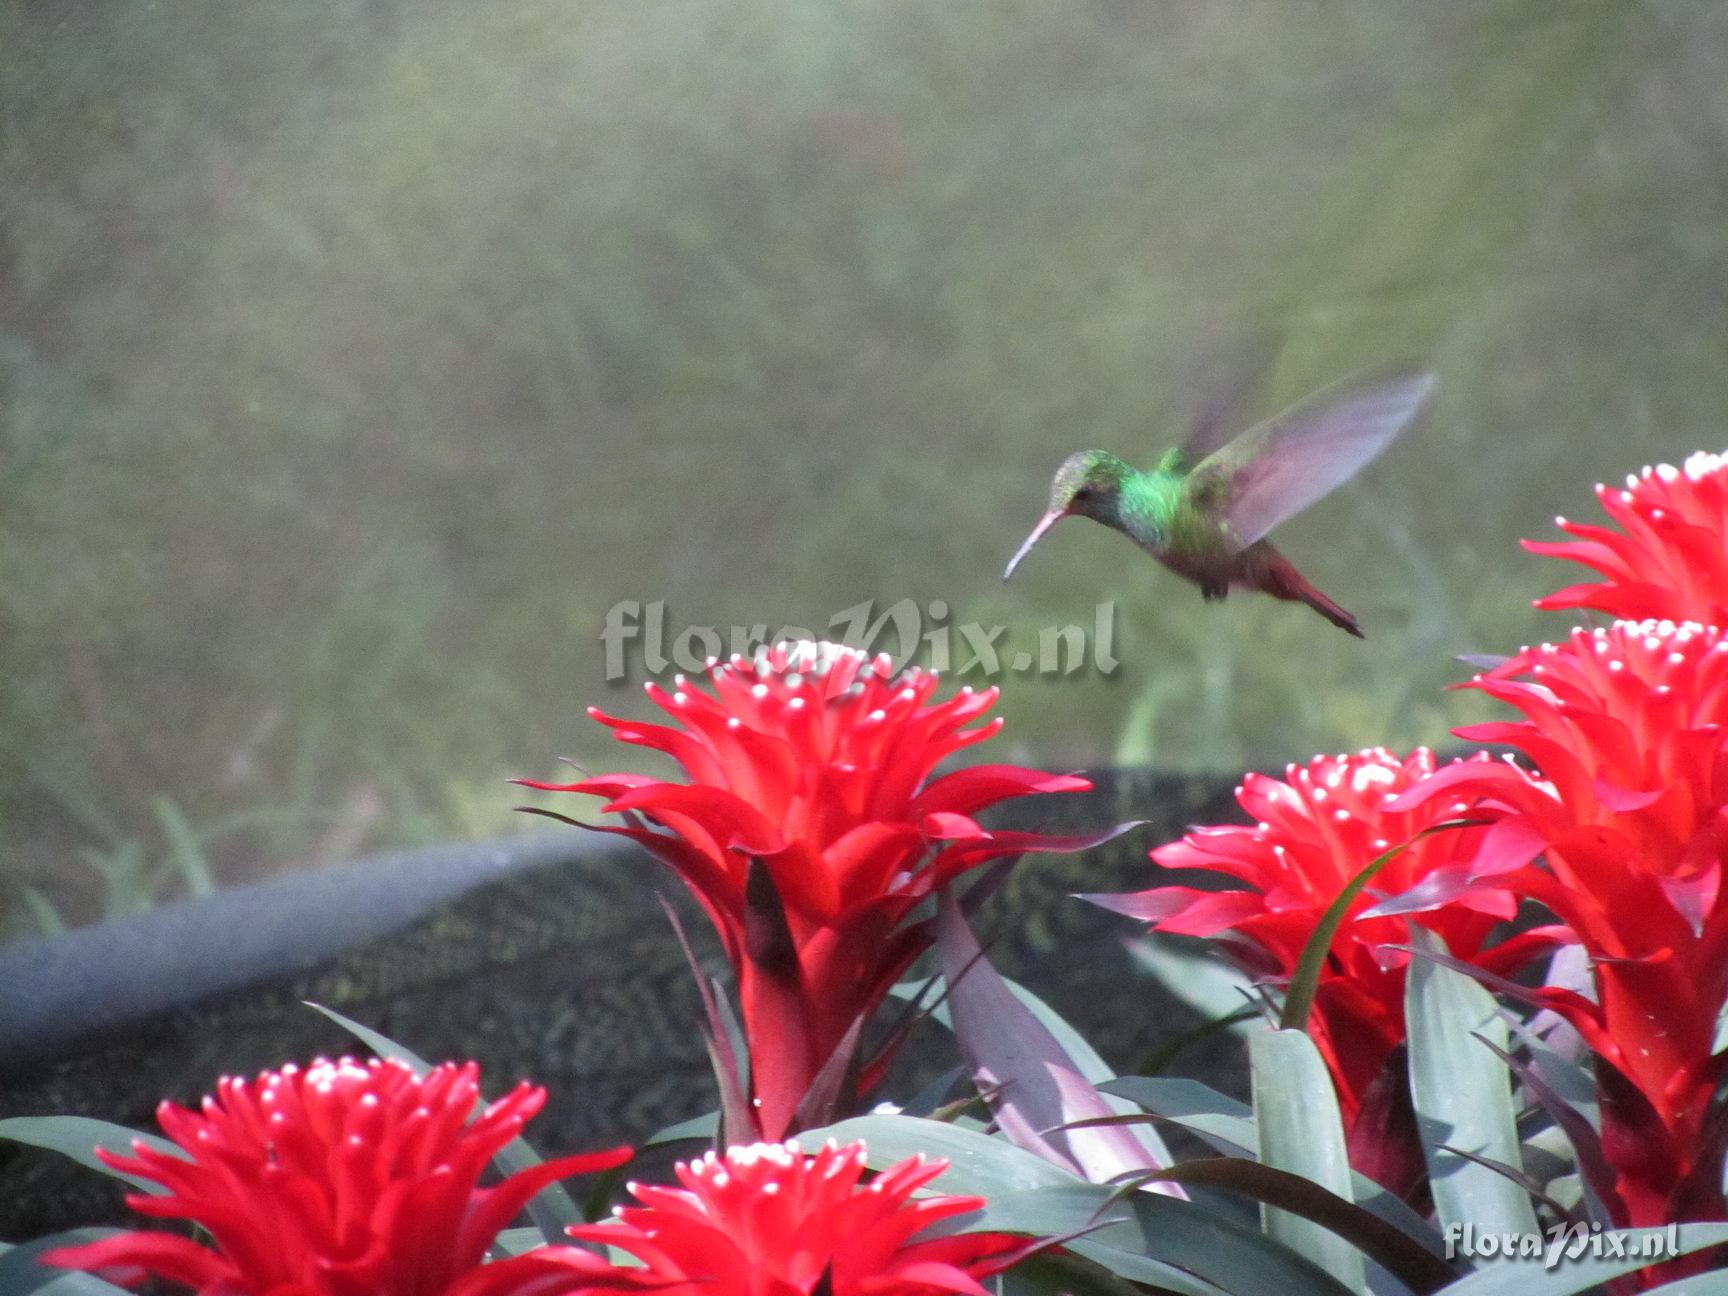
point(1204, 509)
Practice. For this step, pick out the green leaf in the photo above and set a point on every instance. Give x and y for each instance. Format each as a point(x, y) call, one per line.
point(78, 1137)
point(1044, 1275)
point(1063, 1276)
point(1223, 1122)
point(1384, 1242)
point(978, 1164)
point(933, 1097)
point(552, 1208)
point(1462, 1094)
point(1211, 987)
point(1296, 1113)
point(1568, 1191)
point(1059, 1212)
point(705, 1127)
point(1179, 1096)
point(1305, 981)
point(377, 1041)
point(48, 919)
point(514, 1241)
point(1570, 1080)
point(1229, 1126)
point(125, 887)
point(919, 990)
point(184, 851)
point(20, 1274)
point(1569, 1276)
point(1189, 1249)
point(1151, 1238)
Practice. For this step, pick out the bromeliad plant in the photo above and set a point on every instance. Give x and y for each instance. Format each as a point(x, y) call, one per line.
point(1669, 559)
point(1629, 726)
point(1418, 1121)
point(1313, 832)
point(351, 1179)
point(772, 1218)
point(342, 1177)
point(811, 830)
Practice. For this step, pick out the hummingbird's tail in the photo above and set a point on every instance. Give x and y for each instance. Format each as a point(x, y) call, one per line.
point(1280, 579)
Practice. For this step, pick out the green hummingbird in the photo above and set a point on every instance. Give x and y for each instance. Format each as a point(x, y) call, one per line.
point(1205, 508)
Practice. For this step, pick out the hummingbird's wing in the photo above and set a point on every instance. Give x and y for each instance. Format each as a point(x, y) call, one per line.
point(1219, 377)
point(1272, 472)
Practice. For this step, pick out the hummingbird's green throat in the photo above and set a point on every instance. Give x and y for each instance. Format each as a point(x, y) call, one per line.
point(1205, 508)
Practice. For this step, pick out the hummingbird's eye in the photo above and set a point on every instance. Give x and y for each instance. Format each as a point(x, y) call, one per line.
point(1085, 492)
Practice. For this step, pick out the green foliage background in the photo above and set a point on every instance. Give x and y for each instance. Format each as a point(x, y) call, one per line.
point(357, 355)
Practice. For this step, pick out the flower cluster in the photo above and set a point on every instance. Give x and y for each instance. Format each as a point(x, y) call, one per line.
point(1668, 561)
point(340, 1179)
point(1631, 821)
point(1311, 834)
point(810, 829)
point(1629, 726)
point(350, 1179)
point(770, 1220)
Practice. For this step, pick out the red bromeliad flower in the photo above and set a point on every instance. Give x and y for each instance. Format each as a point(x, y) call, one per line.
point(1669, 560)
point(769, 1220)
point(345, 1179)
point(1629, 726)
point(1314, 832)
point(810, 828)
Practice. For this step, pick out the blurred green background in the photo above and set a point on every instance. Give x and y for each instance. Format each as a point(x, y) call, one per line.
point(357, 355)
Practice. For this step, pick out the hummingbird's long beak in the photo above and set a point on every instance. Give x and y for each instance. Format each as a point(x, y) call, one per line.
point(1049, 520)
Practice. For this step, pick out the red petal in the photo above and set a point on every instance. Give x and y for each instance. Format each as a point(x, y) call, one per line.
point(865, 860)
point(947, 825)
point(943, 1277)
point(1186, 911)
point(500, 1204)
point(734, 824)
point(969, 790)
point(165, 1255)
